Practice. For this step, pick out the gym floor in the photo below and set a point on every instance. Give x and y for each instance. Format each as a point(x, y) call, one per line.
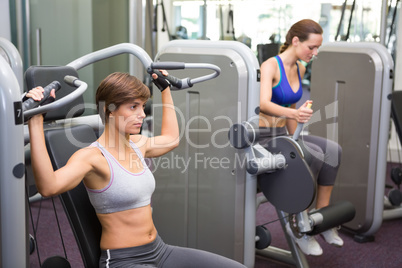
point(385, 251)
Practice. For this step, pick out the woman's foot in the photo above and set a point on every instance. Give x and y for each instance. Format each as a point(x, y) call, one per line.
point(331, 237)
point(307, 244)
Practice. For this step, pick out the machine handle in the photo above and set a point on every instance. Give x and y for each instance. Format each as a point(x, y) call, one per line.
point(109, 52)
point(174, 81)
point(142, 55)
point(185, 82)
point(31, 103)
point(71, 80)
point(168, 65)
point(300, 126)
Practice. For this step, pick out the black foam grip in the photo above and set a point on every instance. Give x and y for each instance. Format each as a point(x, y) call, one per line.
point(334, 215)
point(31, 103)
point(174, 81)
point(168, 65)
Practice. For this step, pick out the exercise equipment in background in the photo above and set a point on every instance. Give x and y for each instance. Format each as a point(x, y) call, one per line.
point(351, 88)
point(206, 198)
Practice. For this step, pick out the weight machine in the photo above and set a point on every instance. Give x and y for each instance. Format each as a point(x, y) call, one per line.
point(211, 208)
point(214, 209)
point(351, 88)
point(66, 135)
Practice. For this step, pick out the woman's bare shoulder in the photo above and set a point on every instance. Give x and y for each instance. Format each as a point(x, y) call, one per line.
point(269, 65)
point(90, 154)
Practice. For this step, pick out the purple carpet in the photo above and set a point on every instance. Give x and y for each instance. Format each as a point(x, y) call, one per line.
point(385, 251)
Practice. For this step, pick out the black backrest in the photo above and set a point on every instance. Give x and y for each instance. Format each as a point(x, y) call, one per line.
point(61, 144)
point(44, 75)
point(396, 112)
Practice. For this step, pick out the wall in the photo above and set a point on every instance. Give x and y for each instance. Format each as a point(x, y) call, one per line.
point(73, 28)
point(66, 30)
point(5, 20)
point(110, 27)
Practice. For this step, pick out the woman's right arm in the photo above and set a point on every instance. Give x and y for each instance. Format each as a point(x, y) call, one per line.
point(49, 182)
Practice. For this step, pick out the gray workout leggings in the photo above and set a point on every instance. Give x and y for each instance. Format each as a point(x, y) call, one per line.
point(159, 254)
point(322, 155)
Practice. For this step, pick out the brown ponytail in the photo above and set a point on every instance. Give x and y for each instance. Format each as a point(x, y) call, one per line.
point(283, 47)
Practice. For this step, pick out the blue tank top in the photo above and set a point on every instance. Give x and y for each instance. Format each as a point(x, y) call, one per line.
point(126, 190)
point(282, 93)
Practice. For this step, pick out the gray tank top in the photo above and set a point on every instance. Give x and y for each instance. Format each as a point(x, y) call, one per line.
point(126, 190)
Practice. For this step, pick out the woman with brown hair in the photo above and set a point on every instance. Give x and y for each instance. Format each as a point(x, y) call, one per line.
point(118, 181)
point(281, 89)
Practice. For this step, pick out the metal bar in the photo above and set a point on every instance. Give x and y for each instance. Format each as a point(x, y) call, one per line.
point(38, 46)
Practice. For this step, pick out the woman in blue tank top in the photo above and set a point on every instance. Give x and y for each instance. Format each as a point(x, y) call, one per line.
point(281, 88)
point(118, 181)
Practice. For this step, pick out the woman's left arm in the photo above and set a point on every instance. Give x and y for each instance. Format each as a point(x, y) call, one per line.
point(169, 137)
point(291, 124)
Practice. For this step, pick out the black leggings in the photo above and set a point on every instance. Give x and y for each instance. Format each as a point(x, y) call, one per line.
point(322, 155)
point(159, 254)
